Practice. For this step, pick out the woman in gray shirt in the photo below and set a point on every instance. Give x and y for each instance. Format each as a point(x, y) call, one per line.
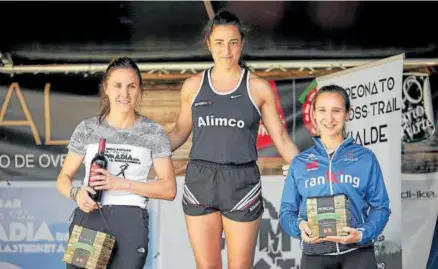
point(133, 144)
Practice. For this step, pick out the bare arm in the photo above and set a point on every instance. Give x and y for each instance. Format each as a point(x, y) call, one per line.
point(183, 127)
point(72, 162)
point(272, 121)
point(163, 188)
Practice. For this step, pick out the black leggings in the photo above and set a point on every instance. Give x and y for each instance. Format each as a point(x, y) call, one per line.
point(129, 225)
point(362, 258)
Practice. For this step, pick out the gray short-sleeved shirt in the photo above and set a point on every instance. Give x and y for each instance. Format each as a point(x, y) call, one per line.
point(130, 152)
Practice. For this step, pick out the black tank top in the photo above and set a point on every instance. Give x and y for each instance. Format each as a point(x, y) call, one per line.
point(225, 125)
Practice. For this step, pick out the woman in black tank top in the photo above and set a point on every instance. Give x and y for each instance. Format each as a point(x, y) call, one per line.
point(222, 194)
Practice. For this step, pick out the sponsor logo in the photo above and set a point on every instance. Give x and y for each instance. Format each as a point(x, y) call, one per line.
point(326, 209)
point(203, 103)
point(235, 96)
point(418, 194)
point(212, 121)
point(311, 166)
point(251, 208)
point(417, 123)
point(86, 240)
point(381, 265)
point(350, 157)
point(311, 157)
point(338, 178)
point(141, 250)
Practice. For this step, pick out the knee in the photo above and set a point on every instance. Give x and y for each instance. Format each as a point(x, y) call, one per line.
point(208, 265)
point(239, 266)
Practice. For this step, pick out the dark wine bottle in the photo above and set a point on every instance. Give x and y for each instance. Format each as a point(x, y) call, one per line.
point(98, 161)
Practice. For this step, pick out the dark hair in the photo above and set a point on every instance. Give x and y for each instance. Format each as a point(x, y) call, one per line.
point(226, 17)
point(123, 62)
point(332, 88)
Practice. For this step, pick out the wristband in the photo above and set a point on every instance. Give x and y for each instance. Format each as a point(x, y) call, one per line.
point(73, 193)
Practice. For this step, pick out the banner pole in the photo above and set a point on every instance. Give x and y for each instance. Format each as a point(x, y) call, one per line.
point(191, 67)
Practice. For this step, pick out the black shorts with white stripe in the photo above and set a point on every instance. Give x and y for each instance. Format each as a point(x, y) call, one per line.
point(234, 190)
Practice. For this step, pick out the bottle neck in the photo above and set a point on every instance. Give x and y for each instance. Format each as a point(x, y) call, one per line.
point(101, 149)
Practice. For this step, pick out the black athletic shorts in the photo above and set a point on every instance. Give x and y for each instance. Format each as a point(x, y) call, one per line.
point(234, 190)
point(128, 224)
point(361, 258)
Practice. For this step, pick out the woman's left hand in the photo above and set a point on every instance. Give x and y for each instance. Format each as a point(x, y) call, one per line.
point(353, 237)
point(103, 180)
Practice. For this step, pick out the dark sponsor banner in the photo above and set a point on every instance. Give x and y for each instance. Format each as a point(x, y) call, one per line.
point(35, 126)
point(419, 118)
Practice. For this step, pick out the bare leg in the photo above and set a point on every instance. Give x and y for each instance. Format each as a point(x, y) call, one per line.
point(205, 234)
point(241, 238)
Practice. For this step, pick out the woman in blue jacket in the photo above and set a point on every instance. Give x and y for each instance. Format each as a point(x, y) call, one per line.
point(336, 165)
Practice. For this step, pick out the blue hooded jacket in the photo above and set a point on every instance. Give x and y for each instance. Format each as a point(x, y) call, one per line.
point(354, 171)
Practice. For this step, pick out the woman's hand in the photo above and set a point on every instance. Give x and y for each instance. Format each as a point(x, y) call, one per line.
point(84, 200)
point(306, 234)
point(103, 180)
point(285, 169)
point(353, 236)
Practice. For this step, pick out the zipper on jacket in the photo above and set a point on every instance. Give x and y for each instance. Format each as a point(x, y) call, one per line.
point(330, 163)
point(330, 177)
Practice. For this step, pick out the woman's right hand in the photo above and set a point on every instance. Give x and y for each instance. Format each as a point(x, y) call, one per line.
point(285, 169)
point(84, 200)
point(306, 233)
